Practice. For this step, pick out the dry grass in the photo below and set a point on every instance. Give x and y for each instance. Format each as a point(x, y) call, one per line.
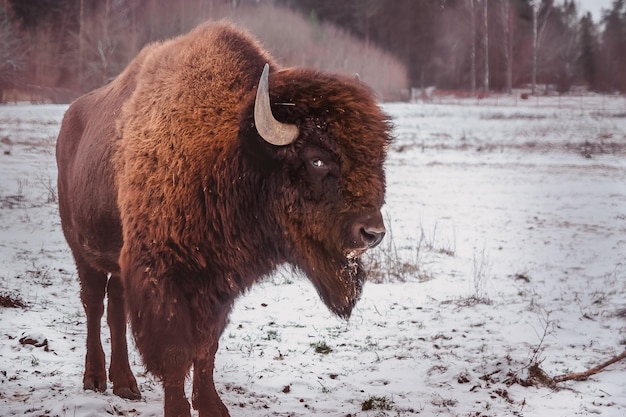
point(8, 300)
point(377, 403)
point(388, 263)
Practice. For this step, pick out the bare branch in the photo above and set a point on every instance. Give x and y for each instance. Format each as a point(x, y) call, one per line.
point(581, 376)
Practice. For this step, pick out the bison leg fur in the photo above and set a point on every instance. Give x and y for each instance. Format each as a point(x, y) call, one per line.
point(124, 382)
point(176, 404)
point(162, 328)
point(205, 397)
point(167, 354)
point(93, 288)
point(176, 364)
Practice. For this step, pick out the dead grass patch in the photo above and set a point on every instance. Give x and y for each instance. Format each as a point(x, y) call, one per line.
point(8, 300)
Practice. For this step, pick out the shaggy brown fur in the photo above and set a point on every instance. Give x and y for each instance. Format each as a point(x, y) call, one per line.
point(166, 185)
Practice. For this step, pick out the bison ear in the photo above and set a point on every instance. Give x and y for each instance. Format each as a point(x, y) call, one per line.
point(270, 129)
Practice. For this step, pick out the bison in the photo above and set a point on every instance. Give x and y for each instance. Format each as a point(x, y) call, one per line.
point(196, 172)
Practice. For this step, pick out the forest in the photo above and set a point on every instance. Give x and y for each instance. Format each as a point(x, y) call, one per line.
point(57, 49)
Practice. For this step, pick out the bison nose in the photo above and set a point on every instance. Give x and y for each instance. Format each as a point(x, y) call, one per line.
point(372, 236)
point(368, 235)
point(368, 230)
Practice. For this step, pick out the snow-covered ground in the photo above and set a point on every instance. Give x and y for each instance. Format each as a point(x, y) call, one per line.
point(507, 247)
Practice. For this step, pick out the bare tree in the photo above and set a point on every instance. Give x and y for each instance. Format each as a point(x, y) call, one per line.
point(486, 43)
point(81, 25)
point(11, 59)
point(472, 7)
point(542, 32)
point(536, 4)
point(368, 10)
point(107, 40)
point(508, 43)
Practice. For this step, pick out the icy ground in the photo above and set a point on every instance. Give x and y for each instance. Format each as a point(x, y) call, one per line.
point(507, 248)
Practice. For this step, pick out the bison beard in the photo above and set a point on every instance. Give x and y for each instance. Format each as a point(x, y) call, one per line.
point(192, 175)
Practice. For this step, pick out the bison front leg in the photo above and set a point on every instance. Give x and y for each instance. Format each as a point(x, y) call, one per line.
point(167, 355)
point(162, 326)
point(176, 404)
point(205, 397)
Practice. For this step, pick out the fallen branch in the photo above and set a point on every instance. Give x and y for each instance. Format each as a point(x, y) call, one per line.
point(580, 376)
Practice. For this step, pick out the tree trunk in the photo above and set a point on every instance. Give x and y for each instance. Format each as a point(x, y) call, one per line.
point(486, 44)
point(535, 5)
point(81, 44)
point(473, 48)
point(508, 45)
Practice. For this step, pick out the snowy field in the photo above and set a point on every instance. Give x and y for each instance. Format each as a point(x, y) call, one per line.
point(506, 248)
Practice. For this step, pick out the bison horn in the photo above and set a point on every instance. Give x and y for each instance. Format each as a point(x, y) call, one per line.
point(270, 129)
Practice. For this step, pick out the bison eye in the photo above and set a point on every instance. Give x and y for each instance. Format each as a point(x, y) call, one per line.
point(318, 163)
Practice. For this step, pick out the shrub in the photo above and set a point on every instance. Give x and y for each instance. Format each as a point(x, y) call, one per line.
point(296, 41)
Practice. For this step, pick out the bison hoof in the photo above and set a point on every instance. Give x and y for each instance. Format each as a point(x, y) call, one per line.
point(215, 410)
point(222, 412)
point(128, 393)
point(95, 384)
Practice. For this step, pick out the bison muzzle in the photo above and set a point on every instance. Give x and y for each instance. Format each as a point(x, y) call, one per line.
point(195, 173)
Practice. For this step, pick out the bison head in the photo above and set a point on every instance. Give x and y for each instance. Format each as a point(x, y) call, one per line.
point(322, 141)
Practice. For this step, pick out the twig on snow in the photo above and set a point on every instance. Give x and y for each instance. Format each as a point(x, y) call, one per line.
point(580, 376)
